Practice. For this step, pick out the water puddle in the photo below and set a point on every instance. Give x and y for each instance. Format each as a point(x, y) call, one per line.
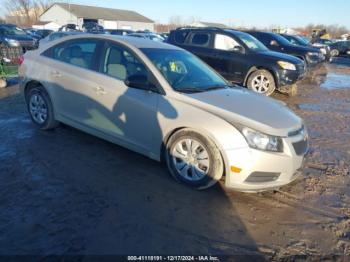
point(323, 108)
point(336, 81)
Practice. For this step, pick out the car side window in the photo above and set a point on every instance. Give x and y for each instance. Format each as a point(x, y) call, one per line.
point(76, 52)
point(225, 42)
point(120, 63)
point(200, 39)
point(180, 36)
point(265, 39)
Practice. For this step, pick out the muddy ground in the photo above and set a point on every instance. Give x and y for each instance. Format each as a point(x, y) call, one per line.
point(66, 192)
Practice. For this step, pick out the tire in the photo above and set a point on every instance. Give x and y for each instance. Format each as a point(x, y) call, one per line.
point(334, 52)
point(203, 168)
point(3, 83)
point(40, 108)
point(267, 87)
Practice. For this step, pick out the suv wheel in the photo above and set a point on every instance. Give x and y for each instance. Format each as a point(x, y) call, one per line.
point(334, 52)
point(40, 108)
point(262, 82)
point(194, 159)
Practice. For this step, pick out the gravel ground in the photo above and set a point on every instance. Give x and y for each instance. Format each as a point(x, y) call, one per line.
point(66, 192)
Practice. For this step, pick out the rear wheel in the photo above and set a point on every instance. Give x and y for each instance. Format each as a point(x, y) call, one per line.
point(40, 108)
point(262, 82)
point(194, 159)
point(3, 83)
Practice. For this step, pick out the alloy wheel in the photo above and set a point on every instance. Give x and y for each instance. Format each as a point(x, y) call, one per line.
point(260, 84)
point(38, 108)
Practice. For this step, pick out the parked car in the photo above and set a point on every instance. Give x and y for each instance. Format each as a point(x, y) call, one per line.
point(93, 28)
point(298, 40)
point(164, 35)
point(120, 31)
point(240, 58)
point(150, 36)
point(162, 101)
point(57, 35)
point(32, 34)
point(68, 27)
point(340, 48)
point(311, 56)
point(13, 36)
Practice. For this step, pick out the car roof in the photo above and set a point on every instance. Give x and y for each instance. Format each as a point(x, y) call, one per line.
point(128, 40)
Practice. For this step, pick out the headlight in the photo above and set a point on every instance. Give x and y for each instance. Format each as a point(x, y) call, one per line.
point(313, 54)
point(262, 141)
point(12, 42)
point(286, 65)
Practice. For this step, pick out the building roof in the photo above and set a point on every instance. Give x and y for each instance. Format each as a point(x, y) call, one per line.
point(94, 12)
point(209, 24)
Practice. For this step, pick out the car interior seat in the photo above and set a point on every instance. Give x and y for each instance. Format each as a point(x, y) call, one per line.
point(76, 57)
point(114, 66)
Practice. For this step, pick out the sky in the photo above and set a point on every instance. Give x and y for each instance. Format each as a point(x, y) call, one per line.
point(258, 13)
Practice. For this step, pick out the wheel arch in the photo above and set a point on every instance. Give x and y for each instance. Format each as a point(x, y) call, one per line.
point(256, 68)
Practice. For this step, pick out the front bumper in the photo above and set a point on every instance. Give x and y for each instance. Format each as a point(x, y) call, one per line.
point(290, 77)
point(261, 171)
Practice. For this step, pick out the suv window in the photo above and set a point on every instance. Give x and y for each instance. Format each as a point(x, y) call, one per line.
point(264, 38)
point(180, 36)
point(224, 42)
point(119, 63)
point(76, 52)
point(201, 39)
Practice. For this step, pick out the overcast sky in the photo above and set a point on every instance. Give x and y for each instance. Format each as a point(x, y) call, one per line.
point(260, 13)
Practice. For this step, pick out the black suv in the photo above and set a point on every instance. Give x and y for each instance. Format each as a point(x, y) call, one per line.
point(276, 42)
point(240, 58)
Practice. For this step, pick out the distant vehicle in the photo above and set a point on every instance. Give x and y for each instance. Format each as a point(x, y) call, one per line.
point(68, 27)
point(298, 40)
point(150, 36)
point(340, 48)
point(164, 35)
point(57, 35)
point(13, 36)
point(241, 58)
point(165, 103)
point(93, 28)
point(275, 42)
point(32, 33)
point(120, 31)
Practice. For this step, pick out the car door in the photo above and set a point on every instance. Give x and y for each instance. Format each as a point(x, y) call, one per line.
point(71, 78)
point(230, 59)
point(199, 43)
point(130, 114)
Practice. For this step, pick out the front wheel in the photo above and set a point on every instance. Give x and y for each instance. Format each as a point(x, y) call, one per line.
point(262, 82)
point(194, 159)
point(334, 52)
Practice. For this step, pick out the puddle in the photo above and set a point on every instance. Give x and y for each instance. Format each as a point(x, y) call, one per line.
point(323, 108)
point(336, 81)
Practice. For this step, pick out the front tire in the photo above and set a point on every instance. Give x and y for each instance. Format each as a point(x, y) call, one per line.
point(40, 108)
point(262, 82)
point(334, 53)
point(194, 159)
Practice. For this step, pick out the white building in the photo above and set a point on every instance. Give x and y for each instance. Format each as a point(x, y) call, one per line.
point(46, 25)
point(63, 13)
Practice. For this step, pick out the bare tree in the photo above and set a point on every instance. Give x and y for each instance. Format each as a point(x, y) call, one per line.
point(25, 12)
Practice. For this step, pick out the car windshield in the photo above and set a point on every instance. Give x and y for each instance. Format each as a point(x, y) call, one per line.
point(251, 42)
point(281, 40)
point(12, 30)
point(301, 40)
point(184, 71)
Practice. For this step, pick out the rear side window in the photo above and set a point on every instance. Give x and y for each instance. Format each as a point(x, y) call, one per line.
point(180, 36)
point(264, 38)
point(201, 39)
point(77, 52)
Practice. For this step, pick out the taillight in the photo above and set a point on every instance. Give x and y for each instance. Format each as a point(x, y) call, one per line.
point(21, 60)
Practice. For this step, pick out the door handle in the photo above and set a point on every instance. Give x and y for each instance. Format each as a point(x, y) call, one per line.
point(55, 73)
point(100, 90)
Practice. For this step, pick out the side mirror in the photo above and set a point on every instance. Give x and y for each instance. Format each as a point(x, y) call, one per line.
point(238, 49)
point(140, 82)
point(274, 43)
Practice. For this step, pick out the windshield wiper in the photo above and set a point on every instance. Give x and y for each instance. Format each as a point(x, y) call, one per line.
point(189, 90)
point(215, 87)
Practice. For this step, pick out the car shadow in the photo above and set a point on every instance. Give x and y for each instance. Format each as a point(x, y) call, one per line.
point(79, 195)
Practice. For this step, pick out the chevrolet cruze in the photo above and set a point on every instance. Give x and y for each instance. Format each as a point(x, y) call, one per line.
point(163, 102)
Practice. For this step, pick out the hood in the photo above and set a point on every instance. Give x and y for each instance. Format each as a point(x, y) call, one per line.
point(243, 107)
point(302, 49)
point(20, 37)
point(280, 56)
